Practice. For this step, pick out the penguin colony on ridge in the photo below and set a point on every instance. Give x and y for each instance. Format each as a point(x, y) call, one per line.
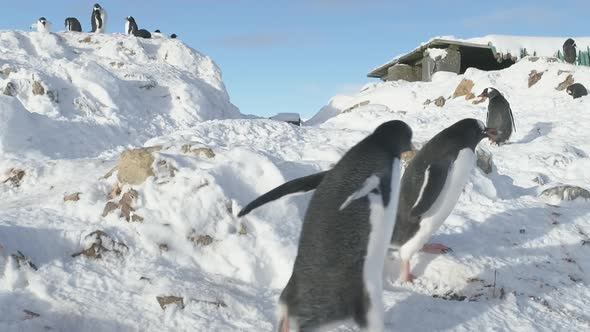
point(98, 22)
point(343, 243)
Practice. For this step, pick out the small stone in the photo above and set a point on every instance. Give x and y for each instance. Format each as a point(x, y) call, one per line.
point(164, 301)
point(15, 177)
point(85, 40)
point(53, 96)
point(38, 89)
point(23, 261)
point(163, 247)
point(201, 240)
point(534, 77)
point(464, 88)
point(10, 89)
point(407, 156)
point(135, 166)
point(102, 243)
point(126, 202)
point(484, 160)
point(440, 101)
point(243, 230)
point(522, 231)
point(72, 197)
point(136, 218)
point(8, 70)
point(427, 102)
point(469, 96)
point(30, 314)
point(109, 207)
point(567, 82)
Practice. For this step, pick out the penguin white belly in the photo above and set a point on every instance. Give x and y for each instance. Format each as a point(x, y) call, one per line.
point(382, 219)
point(444, 204)
point(127, 28)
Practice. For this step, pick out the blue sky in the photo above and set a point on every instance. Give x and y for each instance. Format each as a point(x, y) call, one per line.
point(292, 56)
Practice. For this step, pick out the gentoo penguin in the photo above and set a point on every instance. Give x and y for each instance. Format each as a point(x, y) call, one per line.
point(72, 24)
point(499, 115)
point(42, 25)
point(157, 34)
point(569, 51)
point(98, 20)
point(439, 169)
point(577, 90)
point(173, 36)
point(131, 29)
point(337, 274)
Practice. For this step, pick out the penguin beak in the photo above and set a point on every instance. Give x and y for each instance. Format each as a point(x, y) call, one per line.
point(484, 94)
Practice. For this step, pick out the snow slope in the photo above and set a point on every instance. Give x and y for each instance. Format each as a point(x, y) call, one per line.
point(101, 92)
point(517, 265)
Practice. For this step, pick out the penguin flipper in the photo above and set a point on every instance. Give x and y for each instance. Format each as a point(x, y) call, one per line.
point(370, 184)
point(512, 118)
point(302, 184)
point(434, 180)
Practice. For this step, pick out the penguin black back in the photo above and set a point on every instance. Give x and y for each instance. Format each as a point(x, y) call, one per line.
point(72, 24)
point(577, 90)
point(499, 115)
point(569, 51)
point(132, 29)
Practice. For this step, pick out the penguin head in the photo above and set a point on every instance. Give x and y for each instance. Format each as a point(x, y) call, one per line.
point(569, 42)
point(173, 36)
point(395, 136)
point(43, 21)
point(96, 7)
point(157, 31)
point(130, 19)
point(469, 132)
point(489, 93)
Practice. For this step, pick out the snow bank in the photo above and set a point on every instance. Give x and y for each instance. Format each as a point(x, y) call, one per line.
point(83, 94)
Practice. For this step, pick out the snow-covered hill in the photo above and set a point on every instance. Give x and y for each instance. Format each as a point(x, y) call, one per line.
point(94, 93)
point(518, 264)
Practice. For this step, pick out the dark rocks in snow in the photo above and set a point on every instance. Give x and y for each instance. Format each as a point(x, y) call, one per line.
point(72, 197)
point(535, 77)
point(15, 177)
point(440, 101)
point(541, 179)
point(109, 207)
point(102, 244)
point(484, 160)
point(569, 80)
point(201, 151)
point(565, 193)
point(201, 240)
point(165, 301)
point(10, 89)
point(38, 89)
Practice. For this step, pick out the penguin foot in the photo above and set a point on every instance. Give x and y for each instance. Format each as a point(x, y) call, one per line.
point(405, 273)
point(408, 278)
point(436, 248)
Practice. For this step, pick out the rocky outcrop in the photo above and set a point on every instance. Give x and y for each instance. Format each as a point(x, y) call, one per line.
point(564, 193)
point(534, 77)
point(464, 88)
point(135, 166)
point(569, 80)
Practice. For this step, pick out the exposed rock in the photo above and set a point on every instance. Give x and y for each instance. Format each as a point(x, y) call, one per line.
point(30, 314)
point(464, 88)
point(427, 102)
point(568, 81)
point(85, 40)
point(116, 64)
point(72, 197)
point(532, 58)
point(484, 160)
point(102, 243)
point(562, 193)
point(126, 202)
point(15, 177)
point(136, 218)
point(559, 72)
point(164, 301)
point(135, 166)
point(440, 101)
point(109, 207)
point(110, 173)
point(23, 261)
point(469, 96)
point(163, 247)
point(38, 89)
point(115, 192)
point(53, 96)
point(10, 89)
point(8, 70)
point(541, 179)
point(218, 303)
point(243, 230)
point(534, 77)
point(202, 151)
point(408, 156)
point(201, 240)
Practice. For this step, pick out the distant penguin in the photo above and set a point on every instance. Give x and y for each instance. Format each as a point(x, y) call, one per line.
point(569, 51)
point(499, 115)
point(430, 188)
point(98, 20)
point(173, 36)
point(131, 29)
point(337, 274)
point(42, 25)
point(577, 90)
point(157, 34)
point(72, 24)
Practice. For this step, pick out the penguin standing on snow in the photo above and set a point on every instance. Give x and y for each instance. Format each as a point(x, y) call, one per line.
point(131, 29)
point(577, 90)
point(569, 51)
point(42, 25)
point(430, 188)
point(72, 24)
point(499, 115)
point(98, 20)
point(337, 274)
